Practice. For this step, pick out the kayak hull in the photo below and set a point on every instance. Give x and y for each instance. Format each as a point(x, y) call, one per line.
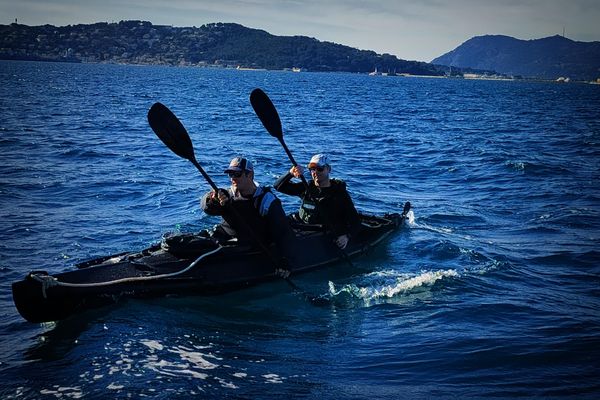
point(157, 271)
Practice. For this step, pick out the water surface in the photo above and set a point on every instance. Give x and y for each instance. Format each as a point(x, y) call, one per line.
point(491, 291)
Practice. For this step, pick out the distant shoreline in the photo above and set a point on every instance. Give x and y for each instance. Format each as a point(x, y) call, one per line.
point(216, 67)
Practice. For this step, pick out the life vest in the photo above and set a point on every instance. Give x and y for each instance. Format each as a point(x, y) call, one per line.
point(314, 205)
point(249, 212)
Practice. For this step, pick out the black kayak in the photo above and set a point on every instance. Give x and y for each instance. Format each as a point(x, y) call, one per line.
point(188, 264)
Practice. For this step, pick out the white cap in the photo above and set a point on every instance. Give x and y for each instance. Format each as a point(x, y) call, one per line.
point(319, 160)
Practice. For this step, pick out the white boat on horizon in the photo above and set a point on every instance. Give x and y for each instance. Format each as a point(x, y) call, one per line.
point(375, 73)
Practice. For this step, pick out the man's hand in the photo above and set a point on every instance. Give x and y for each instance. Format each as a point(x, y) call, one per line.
point(342, 241)
point(222, 196)
point(297, 171)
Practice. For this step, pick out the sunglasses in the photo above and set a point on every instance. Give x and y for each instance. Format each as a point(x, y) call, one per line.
point(320, 169)
point(235, 174)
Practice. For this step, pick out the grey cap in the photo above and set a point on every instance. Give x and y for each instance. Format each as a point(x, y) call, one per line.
point(239, 164)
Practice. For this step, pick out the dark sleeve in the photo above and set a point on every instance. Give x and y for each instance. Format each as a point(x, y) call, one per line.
point(351, 215)
point(286, 186)
point(281, 231)
point(342, 216)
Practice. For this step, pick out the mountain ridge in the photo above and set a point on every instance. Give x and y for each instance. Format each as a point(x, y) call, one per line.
point(546, 58)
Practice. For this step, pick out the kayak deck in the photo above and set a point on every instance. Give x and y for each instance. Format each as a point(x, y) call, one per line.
point(203, 268)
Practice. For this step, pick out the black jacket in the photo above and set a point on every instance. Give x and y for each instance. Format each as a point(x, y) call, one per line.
point(330, 206)
point(263, 219)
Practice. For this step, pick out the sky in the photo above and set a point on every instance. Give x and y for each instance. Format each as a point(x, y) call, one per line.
point(409, 29)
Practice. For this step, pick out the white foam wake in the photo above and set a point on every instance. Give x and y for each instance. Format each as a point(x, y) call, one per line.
point(389, 284)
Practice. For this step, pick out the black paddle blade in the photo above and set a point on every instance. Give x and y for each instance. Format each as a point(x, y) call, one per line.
point(266, 112)
point(406, 208)
point(170, 130)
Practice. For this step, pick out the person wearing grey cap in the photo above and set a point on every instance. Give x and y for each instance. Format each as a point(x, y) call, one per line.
point(261, 211)
point(326, 201)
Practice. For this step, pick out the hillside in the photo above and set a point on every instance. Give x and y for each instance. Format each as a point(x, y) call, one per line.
point(547, 58)
point(217, 44)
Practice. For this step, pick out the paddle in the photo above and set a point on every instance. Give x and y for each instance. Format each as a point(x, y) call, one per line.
point(173, 134)
point(171, 131)
point(267, 113)
point(405, 210)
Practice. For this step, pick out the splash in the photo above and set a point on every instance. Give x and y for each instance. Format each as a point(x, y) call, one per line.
point(516, 165)
point(410, 217)
point(57, 391)
point(390, 284)
point(273, 378)
point(416, 225)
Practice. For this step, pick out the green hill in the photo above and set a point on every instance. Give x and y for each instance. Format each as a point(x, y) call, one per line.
point(216, 44)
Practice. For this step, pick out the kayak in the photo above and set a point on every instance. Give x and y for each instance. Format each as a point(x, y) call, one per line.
point(185, 264)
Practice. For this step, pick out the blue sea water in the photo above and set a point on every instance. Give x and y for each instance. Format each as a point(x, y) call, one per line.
point(492, 290)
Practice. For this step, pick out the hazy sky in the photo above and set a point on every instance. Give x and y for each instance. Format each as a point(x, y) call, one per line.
point(410, 29)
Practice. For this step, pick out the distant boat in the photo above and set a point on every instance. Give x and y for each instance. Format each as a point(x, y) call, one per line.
point(374, 73)
point(295, 69)
point(240, 68)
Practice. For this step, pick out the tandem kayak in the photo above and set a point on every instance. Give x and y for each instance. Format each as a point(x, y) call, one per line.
point(187, 264)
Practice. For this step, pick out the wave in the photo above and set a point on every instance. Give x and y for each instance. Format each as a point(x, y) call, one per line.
point(536, 168)
point(387, 284)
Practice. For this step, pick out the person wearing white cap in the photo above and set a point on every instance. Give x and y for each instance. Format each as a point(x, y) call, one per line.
point(325, 202)
point(259, 208)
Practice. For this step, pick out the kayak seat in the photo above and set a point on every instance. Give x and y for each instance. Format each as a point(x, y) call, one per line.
point(188, 245)
point(143, 267)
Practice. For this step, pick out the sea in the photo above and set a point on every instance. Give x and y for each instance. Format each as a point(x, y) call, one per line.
point(490, 290)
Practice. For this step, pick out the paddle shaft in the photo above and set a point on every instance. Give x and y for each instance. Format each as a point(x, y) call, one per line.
point(204, 174)
point(294, 163)
point(252, 232)
point(237, 215)
point(256, 239)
